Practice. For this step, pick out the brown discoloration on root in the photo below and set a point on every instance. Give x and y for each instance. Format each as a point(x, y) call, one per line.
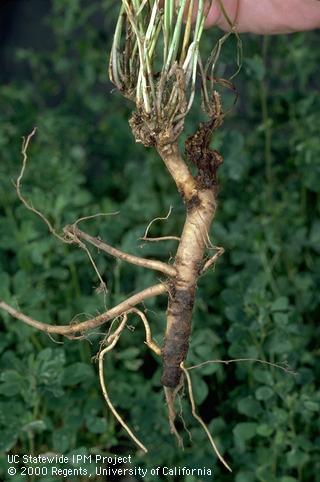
point(165, 121)
point(188, 265)
point(200, 266)
point(177, 338)
point(193, 203)
point(199, 195)
point(143, 130)
point(199, 152)
point(206, 160)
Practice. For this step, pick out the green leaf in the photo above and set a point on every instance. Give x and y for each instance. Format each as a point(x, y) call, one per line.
point(7, 440)
point(249, 406)
point(77, 373)
point(129, 356)
point(281, 318)
point(264, 473)
point(61, 440)
point(280, 304)
point(245, 476)
point(312, 406)
point(245, 431)
point(264, 393)
point(279, 344)
point(200, 389)
point(97, 424)
point(280, 439)
point(236, 161)
point(4, 342)
point(217, 425)
point(4, 288)
point(263, 375)
point(133, 365)
point(265, 430)
point(297, 458)
point(128, 353)
point(49, 370)
point(11, 383)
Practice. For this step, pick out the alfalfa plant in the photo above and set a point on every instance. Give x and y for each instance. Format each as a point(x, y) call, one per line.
point(156, 62)
point(151, 39)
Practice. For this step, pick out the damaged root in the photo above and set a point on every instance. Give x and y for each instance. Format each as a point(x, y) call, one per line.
point(177, 336)
point(166, 118)
point(199, 152)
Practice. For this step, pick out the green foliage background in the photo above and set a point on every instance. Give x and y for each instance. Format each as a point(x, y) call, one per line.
point(261, 301)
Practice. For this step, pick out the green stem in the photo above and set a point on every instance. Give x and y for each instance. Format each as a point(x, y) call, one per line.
point(187, 33)
point(115, 69)
point(173, 49)
point(168, 22)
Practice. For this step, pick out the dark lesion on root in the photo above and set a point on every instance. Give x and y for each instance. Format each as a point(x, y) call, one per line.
point(200, 266)
point(143, 129)
point(199, 152)
point(177, 338)
point(193, 203)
